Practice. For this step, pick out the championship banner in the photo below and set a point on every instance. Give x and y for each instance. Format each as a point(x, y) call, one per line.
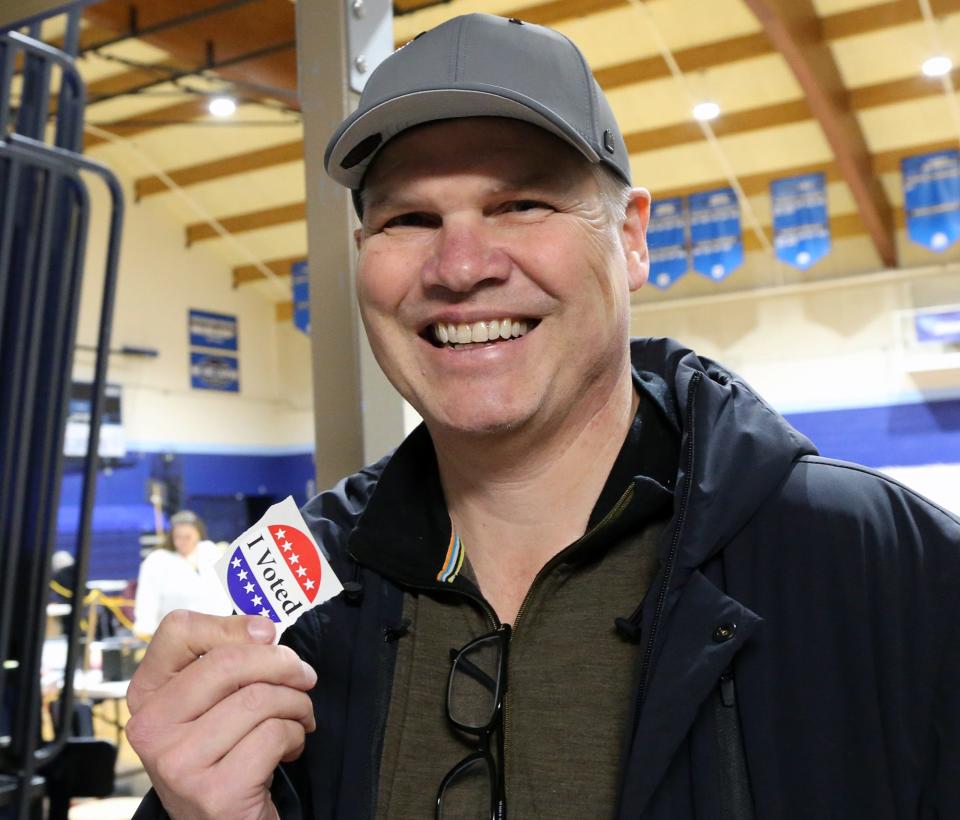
point(938, 326)
point(931, 193)
point(716, 243)
point(667, 242)
point(216, 330)
point(276, 569)
point(300, 287)
point(801, 227)
point(213, 371)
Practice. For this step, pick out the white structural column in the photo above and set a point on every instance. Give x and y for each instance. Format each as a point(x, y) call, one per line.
point(359, 416)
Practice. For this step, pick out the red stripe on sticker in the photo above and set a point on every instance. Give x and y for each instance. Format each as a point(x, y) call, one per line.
point(301, 556)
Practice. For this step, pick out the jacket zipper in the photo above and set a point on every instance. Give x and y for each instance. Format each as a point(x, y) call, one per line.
point(671, 558)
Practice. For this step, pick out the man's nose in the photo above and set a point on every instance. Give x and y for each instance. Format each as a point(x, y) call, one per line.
point(464, 257)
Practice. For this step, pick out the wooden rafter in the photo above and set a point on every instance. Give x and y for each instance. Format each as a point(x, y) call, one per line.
point(251, 221)
point(695, 58)
point(237, 164)
point(884, 162)
point(181, 112)
point(794, 28)
point(279, 267)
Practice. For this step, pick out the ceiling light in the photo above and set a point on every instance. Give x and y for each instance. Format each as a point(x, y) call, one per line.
point(937, 66)
point(222, 106)
point(705, 111)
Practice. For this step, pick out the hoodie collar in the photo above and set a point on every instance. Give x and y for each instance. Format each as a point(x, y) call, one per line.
point(735, 449)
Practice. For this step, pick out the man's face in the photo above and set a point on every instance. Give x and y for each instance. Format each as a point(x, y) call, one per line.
point(493, 227)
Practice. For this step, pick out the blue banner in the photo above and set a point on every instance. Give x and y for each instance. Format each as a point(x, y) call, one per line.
point(216, 330)
point(940, 326)
point(801, 227)
point(213, 371)
point(300, 286)
point(716, 244)
point(667, 242)
point(931, 193)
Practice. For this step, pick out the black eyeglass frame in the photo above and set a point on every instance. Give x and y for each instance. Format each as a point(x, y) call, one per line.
point(498, 796)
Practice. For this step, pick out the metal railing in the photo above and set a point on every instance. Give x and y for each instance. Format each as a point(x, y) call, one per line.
point(44, 220)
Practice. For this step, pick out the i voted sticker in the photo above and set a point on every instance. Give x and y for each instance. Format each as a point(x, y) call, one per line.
point(276, 570)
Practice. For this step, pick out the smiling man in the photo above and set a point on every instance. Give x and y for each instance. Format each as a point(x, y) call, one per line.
point(604, 579)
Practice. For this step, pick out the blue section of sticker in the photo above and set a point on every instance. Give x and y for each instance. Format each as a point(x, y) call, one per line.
point(246, 593)
point(667, 241)
point(215, 330)
point(300, 286)
point(931, 193)
point(801, 226)
point(716, 243)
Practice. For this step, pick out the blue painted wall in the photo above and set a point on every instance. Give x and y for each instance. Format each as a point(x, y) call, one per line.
point(900, 435)
point(228, 491)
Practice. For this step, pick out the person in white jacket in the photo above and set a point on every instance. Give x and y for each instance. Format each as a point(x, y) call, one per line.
point(179, 575)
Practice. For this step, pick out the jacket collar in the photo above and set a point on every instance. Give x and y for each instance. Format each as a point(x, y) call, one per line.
point(405, 531)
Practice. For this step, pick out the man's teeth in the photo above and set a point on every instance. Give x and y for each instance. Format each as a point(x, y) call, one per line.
point(479, 332)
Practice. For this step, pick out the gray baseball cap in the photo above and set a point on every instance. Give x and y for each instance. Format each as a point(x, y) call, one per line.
point(479, 65)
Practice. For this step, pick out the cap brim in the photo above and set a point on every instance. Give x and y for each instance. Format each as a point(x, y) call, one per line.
point(400, 113)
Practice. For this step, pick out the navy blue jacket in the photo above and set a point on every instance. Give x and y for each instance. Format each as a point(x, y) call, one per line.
point(815, 600)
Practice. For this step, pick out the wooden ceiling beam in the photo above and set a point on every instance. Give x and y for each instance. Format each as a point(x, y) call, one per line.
point(188, 111)
point(130, 81)
point(794, 28)
point(696, 58)
point(228, 166)
point(884, 162)
point(251, 273)
point(834, 27)
point(284, 311)
point(880, 16)
point(250, 221)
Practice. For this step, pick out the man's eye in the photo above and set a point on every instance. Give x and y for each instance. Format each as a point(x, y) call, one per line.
point(410, 220)
point(525, 206)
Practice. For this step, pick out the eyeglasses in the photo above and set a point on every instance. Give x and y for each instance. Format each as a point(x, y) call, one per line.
point(475, 690)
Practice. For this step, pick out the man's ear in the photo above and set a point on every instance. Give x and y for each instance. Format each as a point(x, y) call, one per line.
point(634, 238)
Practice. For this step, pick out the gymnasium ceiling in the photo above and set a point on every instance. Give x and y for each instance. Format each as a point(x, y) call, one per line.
point(803, 85)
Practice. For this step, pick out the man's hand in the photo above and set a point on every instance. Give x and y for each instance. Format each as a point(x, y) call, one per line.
point(214, 708)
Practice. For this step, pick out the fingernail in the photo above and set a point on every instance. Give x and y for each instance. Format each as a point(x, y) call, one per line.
point(309, 673)
point(261, 629)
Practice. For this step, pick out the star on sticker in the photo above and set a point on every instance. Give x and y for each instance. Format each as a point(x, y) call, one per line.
point(287, 546)
point(301, 572)
point(294, 559)
point(264, 613)
point(235, 563)
point(281, 534)
point(249, 587)
point(257, 600)
point(242, 575)
point(309, 584)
